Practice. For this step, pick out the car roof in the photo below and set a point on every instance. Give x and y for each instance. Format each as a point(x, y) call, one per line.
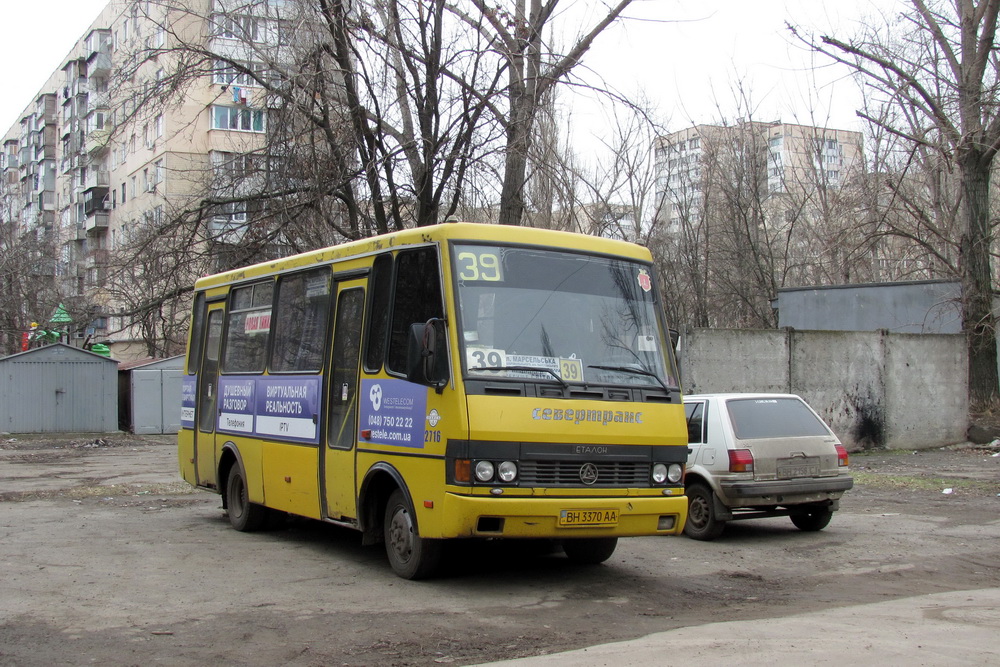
point(739, 395)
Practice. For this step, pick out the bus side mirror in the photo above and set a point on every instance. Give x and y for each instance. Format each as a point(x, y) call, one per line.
point(675, 338)
point(427, 354)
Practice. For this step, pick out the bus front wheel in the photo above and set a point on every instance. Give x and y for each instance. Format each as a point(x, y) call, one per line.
point(244, 515)
point(411, 556)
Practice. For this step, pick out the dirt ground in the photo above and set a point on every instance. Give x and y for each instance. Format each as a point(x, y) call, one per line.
point(108, 558)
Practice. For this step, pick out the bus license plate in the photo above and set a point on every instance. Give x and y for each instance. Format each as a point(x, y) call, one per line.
point(607, 517)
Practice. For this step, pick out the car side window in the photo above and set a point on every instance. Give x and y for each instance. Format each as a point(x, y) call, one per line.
point(695, 413)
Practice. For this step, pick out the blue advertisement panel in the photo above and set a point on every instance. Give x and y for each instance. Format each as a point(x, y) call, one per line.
point(189, 394)
point(236, 405)
point(392, 413)
point(288, 408)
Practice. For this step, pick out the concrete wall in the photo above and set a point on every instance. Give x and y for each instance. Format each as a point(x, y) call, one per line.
point(930, 306)
point(875, 389)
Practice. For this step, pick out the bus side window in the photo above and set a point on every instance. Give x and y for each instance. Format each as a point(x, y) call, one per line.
point(300, 326)
point(197, 334)
point(417, 298)
point(378, 312)
point(209, 373)
point(248, 329)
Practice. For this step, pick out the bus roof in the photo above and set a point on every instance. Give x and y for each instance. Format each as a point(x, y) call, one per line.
point(453, 231)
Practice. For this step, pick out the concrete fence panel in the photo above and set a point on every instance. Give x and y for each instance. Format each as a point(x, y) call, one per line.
point(875, 389)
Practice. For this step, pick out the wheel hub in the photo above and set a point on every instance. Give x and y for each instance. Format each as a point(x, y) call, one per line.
point(401, 535)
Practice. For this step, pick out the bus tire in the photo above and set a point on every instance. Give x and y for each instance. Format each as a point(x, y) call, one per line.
point(590, 550)
point(411, 556)
point(244, 515)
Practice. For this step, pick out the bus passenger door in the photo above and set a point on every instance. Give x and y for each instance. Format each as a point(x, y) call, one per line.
point(205, 411)
point(342, 403)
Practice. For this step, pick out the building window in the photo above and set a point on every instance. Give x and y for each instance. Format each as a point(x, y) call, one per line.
point(158, 124)
point(237, 26)
point(231, 214)
point(236, 118)
point(239, 74)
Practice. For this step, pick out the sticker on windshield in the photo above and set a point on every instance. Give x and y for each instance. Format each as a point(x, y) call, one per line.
point(482, 357)
point(571, 370)
point(645, 282)
point(488, 361)
point(646, 343)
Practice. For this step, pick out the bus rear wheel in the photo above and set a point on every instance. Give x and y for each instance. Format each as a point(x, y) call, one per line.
point(411, 556)
point(244, 515)
point(590, 550)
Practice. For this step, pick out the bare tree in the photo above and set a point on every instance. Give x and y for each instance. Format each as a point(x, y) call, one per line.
point(532, 70)
point(28, 289)
point(937, 62)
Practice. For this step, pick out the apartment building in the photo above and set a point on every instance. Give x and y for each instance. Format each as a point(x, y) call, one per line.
point(785, 159)
point(116, 141)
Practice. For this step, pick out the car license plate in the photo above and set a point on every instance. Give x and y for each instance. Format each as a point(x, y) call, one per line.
point(808, 467)
point(603, 517)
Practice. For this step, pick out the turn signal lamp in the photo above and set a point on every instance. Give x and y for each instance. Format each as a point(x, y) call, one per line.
point(842, 458)
point(740, 460)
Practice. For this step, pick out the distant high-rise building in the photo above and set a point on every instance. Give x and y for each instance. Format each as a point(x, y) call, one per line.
point(107, 148)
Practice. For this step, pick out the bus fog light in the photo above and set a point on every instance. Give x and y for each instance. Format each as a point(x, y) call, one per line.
point(507, 471)
point(676, 473)
point(484, 471)
point(666, 523)
point(659, 473)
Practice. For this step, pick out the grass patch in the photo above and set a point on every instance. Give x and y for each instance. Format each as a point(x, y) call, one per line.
point(914, 483)
point(102, 491)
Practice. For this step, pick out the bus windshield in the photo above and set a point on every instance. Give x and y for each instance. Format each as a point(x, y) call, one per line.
point(551, 316)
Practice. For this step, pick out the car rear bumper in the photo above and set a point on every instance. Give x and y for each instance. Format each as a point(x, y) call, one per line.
point(787, 487)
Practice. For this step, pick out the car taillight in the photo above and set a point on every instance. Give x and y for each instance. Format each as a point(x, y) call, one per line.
point(740, 460)
point(842, 458)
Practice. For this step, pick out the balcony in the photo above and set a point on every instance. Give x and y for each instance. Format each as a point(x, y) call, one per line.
point(95, 200)
point(96, 258)
point(99, 99)
point(47, 200)
point(96, 223)
point(97, 141)
point(99, 64)
point(97, 178)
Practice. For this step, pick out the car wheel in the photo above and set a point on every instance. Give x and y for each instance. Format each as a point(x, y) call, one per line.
point(244, 515)
point(411, 556)
point(701, 522)
point(590, 550)
point(812, 520)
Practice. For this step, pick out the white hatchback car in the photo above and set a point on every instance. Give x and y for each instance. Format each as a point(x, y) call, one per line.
point(760, 455)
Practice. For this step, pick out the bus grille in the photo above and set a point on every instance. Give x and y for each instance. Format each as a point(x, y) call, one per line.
point(567, 473)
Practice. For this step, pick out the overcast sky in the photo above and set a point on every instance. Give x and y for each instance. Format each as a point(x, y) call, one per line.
point(683, 55)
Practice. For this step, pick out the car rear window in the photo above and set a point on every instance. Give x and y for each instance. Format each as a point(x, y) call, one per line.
point(773, 418)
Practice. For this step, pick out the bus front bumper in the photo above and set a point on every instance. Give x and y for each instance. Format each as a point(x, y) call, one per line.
point(554, 518)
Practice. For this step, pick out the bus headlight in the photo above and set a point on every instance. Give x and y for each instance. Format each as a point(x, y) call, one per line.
point(484, 471)
point(507, 471)
point(659, 473)
point(676, 473)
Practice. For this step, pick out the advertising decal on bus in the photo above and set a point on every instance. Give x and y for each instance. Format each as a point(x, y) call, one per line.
point(393, 413)
point(279, 407)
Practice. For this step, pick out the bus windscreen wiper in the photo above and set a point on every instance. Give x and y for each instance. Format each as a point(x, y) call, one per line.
point(530, 369)
point(630, 369)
